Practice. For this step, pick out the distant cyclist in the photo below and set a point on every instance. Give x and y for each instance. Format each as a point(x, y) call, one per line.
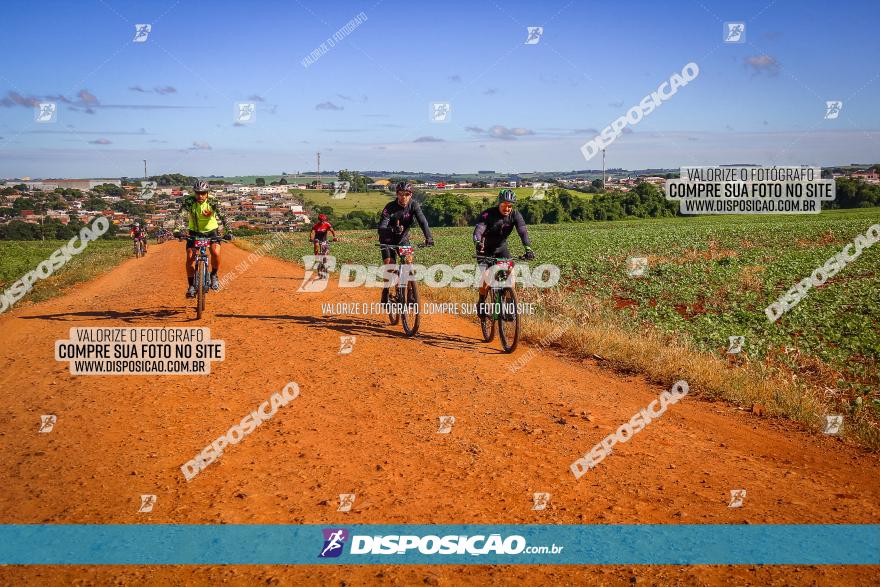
point(490, 236)
point(318, 234)
point(139, 232)
point(201, 216)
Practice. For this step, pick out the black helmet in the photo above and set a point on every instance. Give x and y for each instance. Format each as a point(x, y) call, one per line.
point(201, 186)
point(507, 196)
point(404, 186)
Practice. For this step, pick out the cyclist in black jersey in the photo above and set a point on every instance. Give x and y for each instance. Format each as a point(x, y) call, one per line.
point(490, 236)
point(397, 217)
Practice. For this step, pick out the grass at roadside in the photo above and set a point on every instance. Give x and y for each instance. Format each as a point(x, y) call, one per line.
point(708, 278)
point(566, 327)
point(371, 202)
point(479, 193)
point(19, 257)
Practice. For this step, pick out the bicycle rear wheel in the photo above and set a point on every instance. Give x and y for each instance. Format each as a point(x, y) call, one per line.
point(508, 321)
point(411, 314)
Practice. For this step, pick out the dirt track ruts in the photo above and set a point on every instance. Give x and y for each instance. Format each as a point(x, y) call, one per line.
point(366, 423)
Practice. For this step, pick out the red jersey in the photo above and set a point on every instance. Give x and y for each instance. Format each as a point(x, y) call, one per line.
point(321, 228)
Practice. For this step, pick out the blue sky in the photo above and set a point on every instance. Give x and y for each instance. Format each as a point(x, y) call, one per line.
point(364, 104)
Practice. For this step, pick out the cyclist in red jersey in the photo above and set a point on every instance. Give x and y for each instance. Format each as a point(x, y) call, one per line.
point(138, 232)
point(318, 234)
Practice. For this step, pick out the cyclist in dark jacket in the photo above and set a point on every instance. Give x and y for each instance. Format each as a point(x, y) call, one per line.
point(397, 217)
point(490, 236)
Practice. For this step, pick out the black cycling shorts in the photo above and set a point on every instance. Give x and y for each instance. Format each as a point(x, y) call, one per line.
point(499, 251)
point(191, 239)
point(391, 253)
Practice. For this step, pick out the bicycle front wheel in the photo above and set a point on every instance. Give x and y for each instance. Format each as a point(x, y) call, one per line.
point(200, 290)
point(487, 321)
point(508, 321)
point(412, 311)
point(389, 297)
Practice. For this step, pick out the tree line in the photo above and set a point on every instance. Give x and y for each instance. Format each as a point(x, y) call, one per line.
point(49, 229)
point(445, 209)
point(854, 193)
point(645, 200)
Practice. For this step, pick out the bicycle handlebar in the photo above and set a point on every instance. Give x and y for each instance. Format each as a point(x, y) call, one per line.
point(416, 246)
point(213, 239)
point(496, 259)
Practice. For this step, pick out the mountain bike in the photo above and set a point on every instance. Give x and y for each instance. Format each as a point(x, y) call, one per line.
point(500, 304)
point(140, 248)
point(322, 266)
point(203, 275)
point(402, 299)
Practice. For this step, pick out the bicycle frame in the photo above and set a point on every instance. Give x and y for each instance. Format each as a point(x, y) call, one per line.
point(202, 275)
point(140, 246)
point(496, 287)
point(201, 246)
point(501, 300)
point(497, 272)
point(403, 251)
point(322, 265)
point(405, 292)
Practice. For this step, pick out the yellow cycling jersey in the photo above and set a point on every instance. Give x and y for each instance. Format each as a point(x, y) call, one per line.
point(203, 218)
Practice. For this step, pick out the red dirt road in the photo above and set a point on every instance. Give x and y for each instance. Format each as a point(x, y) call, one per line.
point(366, 423)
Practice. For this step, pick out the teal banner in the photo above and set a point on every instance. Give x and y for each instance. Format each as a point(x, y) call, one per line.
point(171, 544)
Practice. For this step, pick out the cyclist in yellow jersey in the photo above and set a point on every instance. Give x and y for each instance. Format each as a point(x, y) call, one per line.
point(201, 215)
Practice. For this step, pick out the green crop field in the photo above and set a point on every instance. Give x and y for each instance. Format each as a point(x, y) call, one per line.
point(491, 193)
point(19, 257)
point(252, 179)
point(363, 201)
point(375, 201)
point(708, 278)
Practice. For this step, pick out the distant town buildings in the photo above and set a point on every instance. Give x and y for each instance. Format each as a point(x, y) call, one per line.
point(47, 185)
point(380, 185)
point(272, 207)
point(869, 176)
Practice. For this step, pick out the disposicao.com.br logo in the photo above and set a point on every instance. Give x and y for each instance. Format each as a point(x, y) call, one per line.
point(436, 276)
point(393, 544)
point(334, 541)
